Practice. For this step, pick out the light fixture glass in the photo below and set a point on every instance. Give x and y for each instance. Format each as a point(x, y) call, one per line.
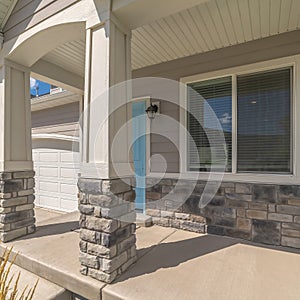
point(151, 111)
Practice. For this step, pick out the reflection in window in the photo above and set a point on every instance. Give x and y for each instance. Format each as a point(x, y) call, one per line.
point(201, 123)
point(264, 122)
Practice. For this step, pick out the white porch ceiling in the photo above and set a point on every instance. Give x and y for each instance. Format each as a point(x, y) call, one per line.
point(69, 56)
point(212, 25)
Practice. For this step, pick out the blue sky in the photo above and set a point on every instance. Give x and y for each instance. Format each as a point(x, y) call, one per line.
point(43, 87)
point(259, 113)
point(223, 110)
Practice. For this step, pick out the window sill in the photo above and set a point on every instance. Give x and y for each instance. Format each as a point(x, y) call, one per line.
point(251, 178)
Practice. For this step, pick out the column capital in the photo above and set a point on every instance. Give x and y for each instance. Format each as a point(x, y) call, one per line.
point(105, 16)
point(9, 63)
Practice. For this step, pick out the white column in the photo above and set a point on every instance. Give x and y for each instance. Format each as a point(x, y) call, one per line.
point(15, 119)
point(105, 107)
point(16, 168)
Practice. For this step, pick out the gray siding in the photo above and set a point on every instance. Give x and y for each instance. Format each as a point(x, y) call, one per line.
point(28, 13)
point(57, 120)
point(167, 141)
point(282, 45)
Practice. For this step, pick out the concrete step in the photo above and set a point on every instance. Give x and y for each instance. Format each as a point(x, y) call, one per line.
point(52, 253)
point(143, 220)
point(45, 289)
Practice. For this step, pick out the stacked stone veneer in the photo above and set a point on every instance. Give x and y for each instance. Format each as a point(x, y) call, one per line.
point(107, 229)
point(16, 208)
point(264, 213)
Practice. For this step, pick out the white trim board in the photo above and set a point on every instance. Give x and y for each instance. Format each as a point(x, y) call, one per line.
point(57, 99)
point(55, 137)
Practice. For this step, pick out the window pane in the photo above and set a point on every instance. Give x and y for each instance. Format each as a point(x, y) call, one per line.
point(264, 118)
point(217, 93)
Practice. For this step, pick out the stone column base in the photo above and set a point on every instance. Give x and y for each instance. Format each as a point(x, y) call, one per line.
point(16, 204)
point(107, 229)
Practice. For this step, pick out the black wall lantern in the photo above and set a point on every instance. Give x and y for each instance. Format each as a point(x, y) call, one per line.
point(151, 111)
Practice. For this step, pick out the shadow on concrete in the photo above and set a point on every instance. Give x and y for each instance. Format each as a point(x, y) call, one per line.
point(52, 229)
point(172, 254)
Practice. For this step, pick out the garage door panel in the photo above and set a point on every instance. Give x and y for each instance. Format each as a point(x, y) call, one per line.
point(36, 188)
point(56, 175)
point(69, 204)
point(49, 157)
point(50, 201)
point(37, 198)
point(35, 156)
point(69, 157)
point(70, 189)
point(68, 172)
point(48, 186)
point(47, 171)
point(36, 168)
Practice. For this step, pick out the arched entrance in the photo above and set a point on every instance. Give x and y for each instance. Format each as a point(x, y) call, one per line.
point(49, 55)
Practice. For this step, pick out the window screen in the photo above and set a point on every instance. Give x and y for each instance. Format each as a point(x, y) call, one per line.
point(264, 122)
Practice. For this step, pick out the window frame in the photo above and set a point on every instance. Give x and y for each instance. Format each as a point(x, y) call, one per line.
point(275, 64)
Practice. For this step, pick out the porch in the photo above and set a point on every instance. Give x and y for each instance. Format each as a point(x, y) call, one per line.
point(241, 270)
point(90, 47)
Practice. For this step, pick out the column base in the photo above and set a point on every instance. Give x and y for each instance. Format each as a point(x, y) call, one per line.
point(107, 229)
point(16, 204)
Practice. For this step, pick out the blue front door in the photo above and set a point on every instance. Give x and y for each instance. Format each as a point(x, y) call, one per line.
point(139, 152)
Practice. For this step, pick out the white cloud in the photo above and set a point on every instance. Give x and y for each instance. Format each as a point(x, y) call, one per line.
point(33, 83)
point(225, 119)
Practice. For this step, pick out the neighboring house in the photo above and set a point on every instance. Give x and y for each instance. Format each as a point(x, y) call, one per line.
point(242, 56)
point(55, 146)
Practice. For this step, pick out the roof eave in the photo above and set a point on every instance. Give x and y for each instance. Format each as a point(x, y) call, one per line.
point(8, 13)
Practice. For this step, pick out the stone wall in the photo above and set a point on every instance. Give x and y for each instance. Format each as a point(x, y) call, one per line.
point(16, 204)
point(264, 213)
point(107, 229)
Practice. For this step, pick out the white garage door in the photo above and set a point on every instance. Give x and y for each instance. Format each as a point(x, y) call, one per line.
point(56, 166)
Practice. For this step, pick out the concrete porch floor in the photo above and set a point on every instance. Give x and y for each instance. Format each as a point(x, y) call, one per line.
point(172, 264)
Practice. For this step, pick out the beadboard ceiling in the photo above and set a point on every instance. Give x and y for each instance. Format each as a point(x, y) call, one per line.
point(212, 25)
point(69, 56)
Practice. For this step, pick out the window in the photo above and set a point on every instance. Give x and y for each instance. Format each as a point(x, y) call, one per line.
point(263, 122)
point(264, 118)
point(203, 124)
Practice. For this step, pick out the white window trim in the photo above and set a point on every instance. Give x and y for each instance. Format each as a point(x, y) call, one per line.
point(294, 178)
